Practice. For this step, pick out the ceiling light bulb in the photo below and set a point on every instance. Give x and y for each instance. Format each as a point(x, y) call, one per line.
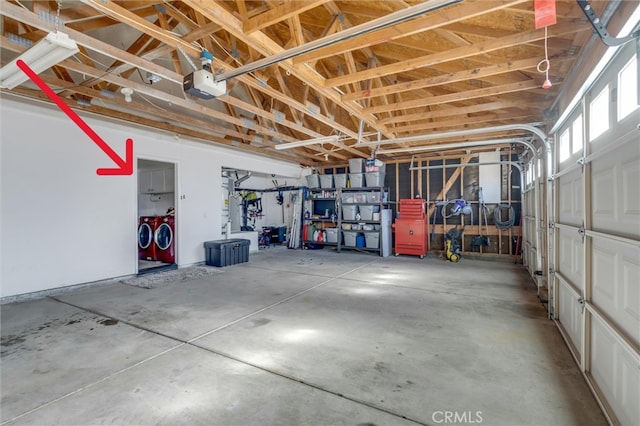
point(127, 92)
point(546, 84)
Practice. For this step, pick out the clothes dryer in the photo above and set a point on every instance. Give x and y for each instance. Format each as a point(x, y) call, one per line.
point(164, 239)
point(146, 231)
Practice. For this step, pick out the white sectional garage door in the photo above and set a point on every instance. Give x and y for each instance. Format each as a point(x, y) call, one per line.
point(597, 244)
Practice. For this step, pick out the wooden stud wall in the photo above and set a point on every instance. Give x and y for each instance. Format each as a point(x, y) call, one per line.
point(442, 184)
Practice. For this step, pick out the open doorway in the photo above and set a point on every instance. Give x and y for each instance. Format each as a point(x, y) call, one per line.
point(156, 216)
point(259, 207)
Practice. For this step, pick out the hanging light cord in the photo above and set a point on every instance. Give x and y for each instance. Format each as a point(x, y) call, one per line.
point(543, 65)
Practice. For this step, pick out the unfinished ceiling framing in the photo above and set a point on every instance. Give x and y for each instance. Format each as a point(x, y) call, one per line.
point(470, 64)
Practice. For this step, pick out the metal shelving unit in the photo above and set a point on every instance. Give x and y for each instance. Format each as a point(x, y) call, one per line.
point(328, 210)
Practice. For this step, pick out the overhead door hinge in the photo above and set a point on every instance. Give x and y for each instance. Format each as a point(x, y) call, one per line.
point(582, 232)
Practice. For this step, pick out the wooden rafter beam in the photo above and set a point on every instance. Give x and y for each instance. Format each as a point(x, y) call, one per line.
point(457, 111)
point(464, 11)
point(297, 117)
point(461, 52)
point(242, 9)
point(263, 44)
point(109, 50)
point(456, 97)
point(475, 73)
point(283, 12)
point(465, 123)
point(187, 130)
point(339, 21)
point(297, 32)
point(269, 47)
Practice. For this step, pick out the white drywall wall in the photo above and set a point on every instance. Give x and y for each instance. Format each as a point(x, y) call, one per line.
point(62, 224)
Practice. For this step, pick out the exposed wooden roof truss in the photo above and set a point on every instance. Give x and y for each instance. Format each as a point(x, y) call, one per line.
point(467, 65)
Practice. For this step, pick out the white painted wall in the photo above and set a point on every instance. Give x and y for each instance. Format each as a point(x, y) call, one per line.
point(62, 224)
point(155, 204)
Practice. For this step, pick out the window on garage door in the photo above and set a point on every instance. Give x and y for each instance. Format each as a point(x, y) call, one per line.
point(599, 114)
point(628, 88)
point(577, 135)
point(565, 146)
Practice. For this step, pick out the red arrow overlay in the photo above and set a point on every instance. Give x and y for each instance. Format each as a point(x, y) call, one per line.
point(125, 167)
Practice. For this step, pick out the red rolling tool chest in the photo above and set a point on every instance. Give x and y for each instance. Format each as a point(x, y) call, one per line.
point(411, 228)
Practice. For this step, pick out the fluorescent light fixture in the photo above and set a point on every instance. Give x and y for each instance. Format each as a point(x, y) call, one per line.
point(298, 144)
point(49, 51)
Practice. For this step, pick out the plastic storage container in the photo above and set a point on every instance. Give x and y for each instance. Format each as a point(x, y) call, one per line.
point(340, 180)
point(313, 181)
point(374, 165)
point(226, 252)
point(356, 165)
point(366, 212)
point(374, 178)
point(326, 181)
point(372, 239)
point(373, 197)
point(356, 180)
point(360, 197)
point(350, 238)
point(332, 235)
point(376, 197)
point(349, 212)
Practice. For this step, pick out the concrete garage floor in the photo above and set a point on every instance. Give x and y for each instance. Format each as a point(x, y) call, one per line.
point(296, 337)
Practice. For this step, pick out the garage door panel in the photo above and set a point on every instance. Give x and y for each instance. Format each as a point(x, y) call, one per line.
point(631, 289)
point(616, 282)
point(604, 194)
point(531, 234)
point(570, 204)
point(531, 259)
point(616, 192)
point(570, 256)
point(616, 372)
point(570, 315)
point(630, 189)
point(630, 378)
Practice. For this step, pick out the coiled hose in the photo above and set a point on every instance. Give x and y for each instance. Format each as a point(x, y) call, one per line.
point(504, 224)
